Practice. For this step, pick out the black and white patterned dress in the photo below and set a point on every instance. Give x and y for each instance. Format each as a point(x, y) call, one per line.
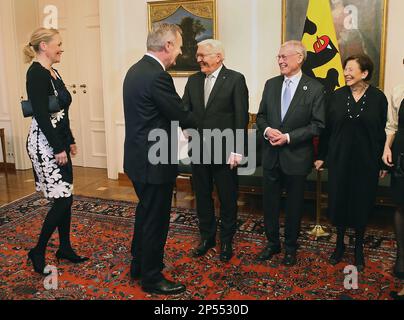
point(49, 134)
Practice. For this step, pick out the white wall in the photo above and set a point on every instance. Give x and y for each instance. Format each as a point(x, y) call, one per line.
point(251, 47)
point(16, 22)
point(394, 74)
point(249, 29)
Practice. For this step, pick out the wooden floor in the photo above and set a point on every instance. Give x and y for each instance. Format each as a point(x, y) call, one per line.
point(95, 183)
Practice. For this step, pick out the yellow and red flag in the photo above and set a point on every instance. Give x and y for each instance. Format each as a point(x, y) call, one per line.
point(320, 39)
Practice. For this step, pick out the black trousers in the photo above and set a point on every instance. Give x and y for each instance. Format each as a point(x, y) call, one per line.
point(152, 221)
point(225, 180)
point(273, 182)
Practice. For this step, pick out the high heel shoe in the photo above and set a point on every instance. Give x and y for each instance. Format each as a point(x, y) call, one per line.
point(337, 255)
point(70, 256)
point(38, 262)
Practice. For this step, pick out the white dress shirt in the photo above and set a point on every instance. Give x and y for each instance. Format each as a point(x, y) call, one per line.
point(215, 75)
point(294, 83)
point(394, 108)
point(157, 59)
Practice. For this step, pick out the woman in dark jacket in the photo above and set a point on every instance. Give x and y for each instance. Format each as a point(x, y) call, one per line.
point(50, 143)
point(353, 145)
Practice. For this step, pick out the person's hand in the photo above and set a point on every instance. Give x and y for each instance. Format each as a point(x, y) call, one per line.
point(383, 174)
point(272, 134)
point(319, 165)
point(186, 134)
point(388, 157)
point(73, 149)
point(279, 141)
point(61, 158)
point(234, 160)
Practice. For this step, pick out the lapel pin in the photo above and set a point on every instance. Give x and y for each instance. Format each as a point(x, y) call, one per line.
point(305, 88)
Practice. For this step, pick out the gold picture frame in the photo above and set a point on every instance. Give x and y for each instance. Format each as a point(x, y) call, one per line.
point(370, 28)
point(198, 21)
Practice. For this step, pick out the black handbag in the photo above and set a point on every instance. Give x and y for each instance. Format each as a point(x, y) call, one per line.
point(399, 168)
point(53, 104)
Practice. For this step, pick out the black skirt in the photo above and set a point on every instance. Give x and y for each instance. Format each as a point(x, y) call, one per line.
point(397, 180)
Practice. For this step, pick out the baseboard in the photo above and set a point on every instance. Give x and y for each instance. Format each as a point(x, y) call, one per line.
point(10, 167)
point(124, 180)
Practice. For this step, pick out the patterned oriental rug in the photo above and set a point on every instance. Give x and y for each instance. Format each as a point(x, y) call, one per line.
point(102, 229)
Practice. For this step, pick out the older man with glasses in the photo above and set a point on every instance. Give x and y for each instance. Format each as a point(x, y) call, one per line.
point(291, 113)
point(218, 97)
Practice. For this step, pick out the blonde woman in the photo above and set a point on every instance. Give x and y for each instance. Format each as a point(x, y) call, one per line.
point(50, 143)
point(393, 157)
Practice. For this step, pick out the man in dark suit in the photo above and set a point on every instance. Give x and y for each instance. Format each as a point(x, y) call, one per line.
point(291, 113)
point(218, 97)
point(150, 103)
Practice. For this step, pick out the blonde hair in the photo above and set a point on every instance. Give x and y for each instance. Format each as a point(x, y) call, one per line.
point(160, 34)
point(38, 36)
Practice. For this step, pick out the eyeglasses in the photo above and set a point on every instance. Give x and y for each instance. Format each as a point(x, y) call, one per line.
point(285, 57)
point(203, 56)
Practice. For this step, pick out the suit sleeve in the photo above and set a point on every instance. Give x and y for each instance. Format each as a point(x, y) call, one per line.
point(241, 107)
point(169, 102)
point(382, 132)
point(317, 123)
point(70, 137)
point(186, 99)
point(38, 82)
point(262, 122)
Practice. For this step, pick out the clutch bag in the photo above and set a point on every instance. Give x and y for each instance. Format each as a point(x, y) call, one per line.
point(53, 104)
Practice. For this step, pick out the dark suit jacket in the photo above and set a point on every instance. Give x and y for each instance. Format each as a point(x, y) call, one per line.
point(227, 107)
point(150, 102)
point(304, 120)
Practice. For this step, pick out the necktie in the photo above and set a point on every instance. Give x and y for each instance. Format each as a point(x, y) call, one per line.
point(208, 88)
point(286, 99)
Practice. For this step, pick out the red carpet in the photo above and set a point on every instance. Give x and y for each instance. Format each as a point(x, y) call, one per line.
point(102, 229)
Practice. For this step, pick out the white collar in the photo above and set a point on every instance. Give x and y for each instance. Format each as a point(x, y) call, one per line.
point(296, 78)
point(157, 59)
point(216, 73)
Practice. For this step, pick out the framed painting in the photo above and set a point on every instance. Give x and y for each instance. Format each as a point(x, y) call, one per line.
point(197, 19)
point(360, 26)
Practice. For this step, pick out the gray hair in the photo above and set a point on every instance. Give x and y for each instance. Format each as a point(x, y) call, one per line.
point(215, 45)
point(298, 46)
point(160, 35)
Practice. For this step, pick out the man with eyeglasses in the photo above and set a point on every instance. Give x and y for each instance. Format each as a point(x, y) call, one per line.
point(291, 113)
point(218, 97)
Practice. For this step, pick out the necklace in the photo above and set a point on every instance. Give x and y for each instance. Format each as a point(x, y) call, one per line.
point(350, 105)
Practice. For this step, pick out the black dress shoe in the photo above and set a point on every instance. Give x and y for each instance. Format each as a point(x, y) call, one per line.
point(290, 259)
point(359, 260)
point(394, 295)
point(337, 255)
point(70, 256)
point(226, 252)
point(268, 253)
point(165, 287)
point(203, 248)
